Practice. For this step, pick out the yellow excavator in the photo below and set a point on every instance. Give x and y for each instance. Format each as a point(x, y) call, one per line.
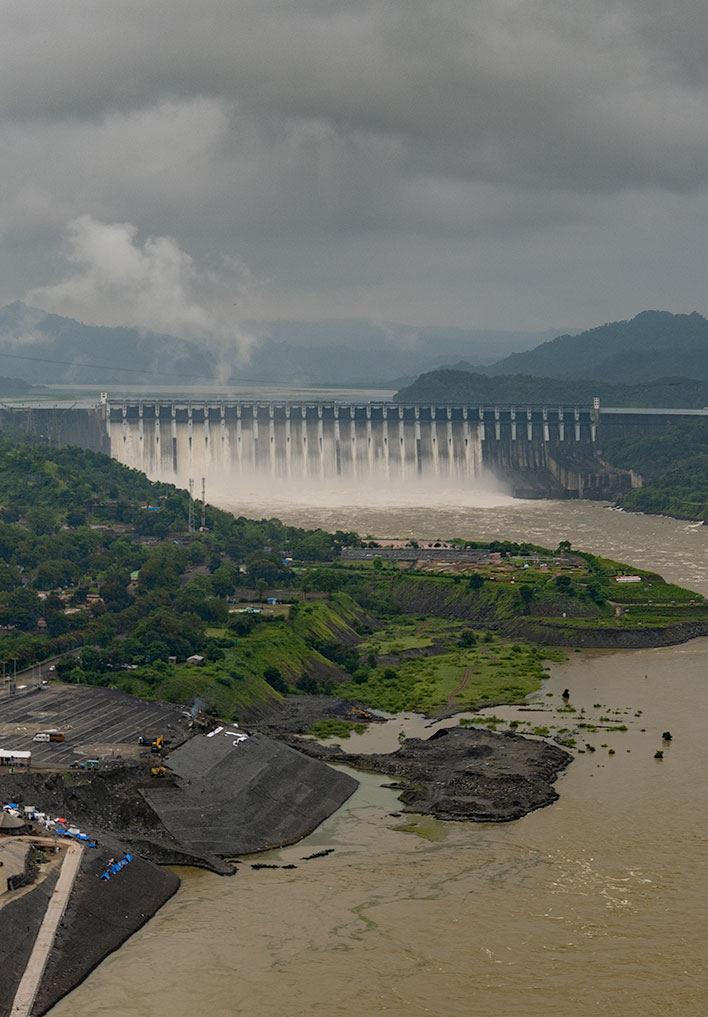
point(159, 744)
point(158, 771)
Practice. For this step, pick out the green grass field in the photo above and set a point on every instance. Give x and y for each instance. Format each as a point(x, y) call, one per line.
point(486, 673)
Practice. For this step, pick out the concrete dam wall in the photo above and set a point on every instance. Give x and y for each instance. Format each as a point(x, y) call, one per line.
point(299, 446)
point(59, 424)
point(539, 452)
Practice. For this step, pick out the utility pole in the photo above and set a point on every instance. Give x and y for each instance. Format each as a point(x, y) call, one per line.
point(203, 503)
point(190, 525)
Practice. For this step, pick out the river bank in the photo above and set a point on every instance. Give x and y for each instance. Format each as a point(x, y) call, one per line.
point(455, 774)
point(592, 896)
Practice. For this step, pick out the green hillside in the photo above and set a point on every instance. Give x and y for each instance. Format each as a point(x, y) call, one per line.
point(459, 386)
point(654, 344)
point(99, 570)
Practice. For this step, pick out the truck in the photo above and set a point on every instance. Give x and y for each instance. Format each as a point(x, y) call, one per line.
point(48, 736)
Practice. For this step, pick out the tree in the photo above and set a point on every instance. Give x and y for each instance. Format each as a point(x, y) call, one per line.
point(55, 573)
point(9, 578)
point(21, 608)
point(263, 565)
point(526, 593)
point(75, 517)
point(275, 679)
point(42, 520)
point(115, 596)
point(222, 580)
point(326, 580)
point(306, 683)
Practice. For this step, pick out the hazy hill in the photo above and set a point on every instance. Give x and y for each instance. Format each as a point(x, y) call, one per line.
point(361, 350)
point(15, 387)
point(48, 348)
point(654, 344)
point(467, 387)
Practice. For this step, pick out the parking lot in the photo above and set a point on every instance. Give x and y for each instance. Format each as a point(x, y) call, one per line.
point(96, 723)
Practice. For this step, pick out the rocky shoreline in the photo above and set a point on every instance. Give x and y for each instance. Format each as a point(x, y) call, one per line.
point(463, 774)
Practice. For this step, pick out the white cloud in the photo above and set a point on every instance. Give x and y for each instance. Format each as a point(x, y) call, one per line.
point(115, 279)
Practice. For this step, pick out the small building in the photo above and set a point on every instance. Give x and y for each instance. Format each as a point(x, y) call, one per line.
point(15, 757)
point(197, 659)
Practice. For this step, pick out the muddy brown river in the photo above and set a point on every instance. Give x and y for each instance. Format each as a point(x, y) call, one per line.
point(595, 905)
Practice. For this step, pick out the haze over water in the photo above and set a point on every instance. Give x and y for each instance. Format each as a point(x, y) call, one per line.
point(593, 905)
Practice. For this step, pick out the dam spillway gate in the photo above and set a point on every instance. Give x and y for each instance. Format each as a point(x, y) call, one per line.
point(378, 443)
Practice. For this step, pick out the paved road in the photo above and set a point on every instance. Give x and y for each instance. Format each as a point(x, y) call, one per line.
point(30, 677)
point(27, 990)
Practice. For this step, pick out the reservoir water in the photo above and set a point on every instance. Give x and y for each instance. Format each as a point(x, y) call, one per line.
point(594, 905)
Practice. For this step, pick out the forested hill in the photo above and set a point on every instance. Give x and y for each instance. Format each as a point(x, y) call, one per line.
point(467, 387)
point(654, 344)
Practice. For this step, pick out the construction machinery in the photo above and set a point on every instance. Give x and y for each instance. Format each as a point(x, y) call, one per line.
point(158, 771)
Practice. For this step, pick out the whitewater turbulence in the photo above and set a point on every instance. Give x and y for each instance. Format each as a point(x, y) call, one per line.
point(303, 450)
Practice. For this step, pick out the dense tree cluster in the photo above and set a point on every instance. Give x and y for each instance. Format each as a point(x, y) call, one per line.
point(673, 463)
point(74, 525)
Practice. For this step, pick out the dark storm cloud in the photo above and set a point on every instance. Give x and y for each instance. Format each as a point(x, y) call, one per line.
point(526, 92)
point(298, 137)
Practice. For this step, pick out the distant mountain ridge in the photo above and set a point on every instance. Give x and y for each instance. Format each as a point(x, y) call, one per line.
point(49, 348)
point(652, 345)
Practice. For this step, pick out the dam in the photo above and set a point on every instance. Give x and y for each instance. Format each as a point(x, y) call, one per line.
point(538, 450)
point(535, 451)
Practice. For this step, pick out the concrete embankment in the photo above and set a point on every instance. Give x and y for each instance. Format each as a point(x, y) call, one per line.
point(233, 797)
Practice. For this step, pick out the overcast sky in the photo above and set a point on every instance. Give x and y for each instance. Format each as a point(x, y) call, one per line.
point(521, 164)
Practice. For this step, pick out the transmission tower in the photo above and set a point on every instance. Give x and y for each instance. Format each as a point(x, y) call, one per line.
point(203, 502)
point(190, 525)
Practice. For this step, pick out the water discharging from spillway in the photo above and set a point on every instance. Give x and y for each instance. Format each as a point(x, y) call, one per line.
point(294, 456)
